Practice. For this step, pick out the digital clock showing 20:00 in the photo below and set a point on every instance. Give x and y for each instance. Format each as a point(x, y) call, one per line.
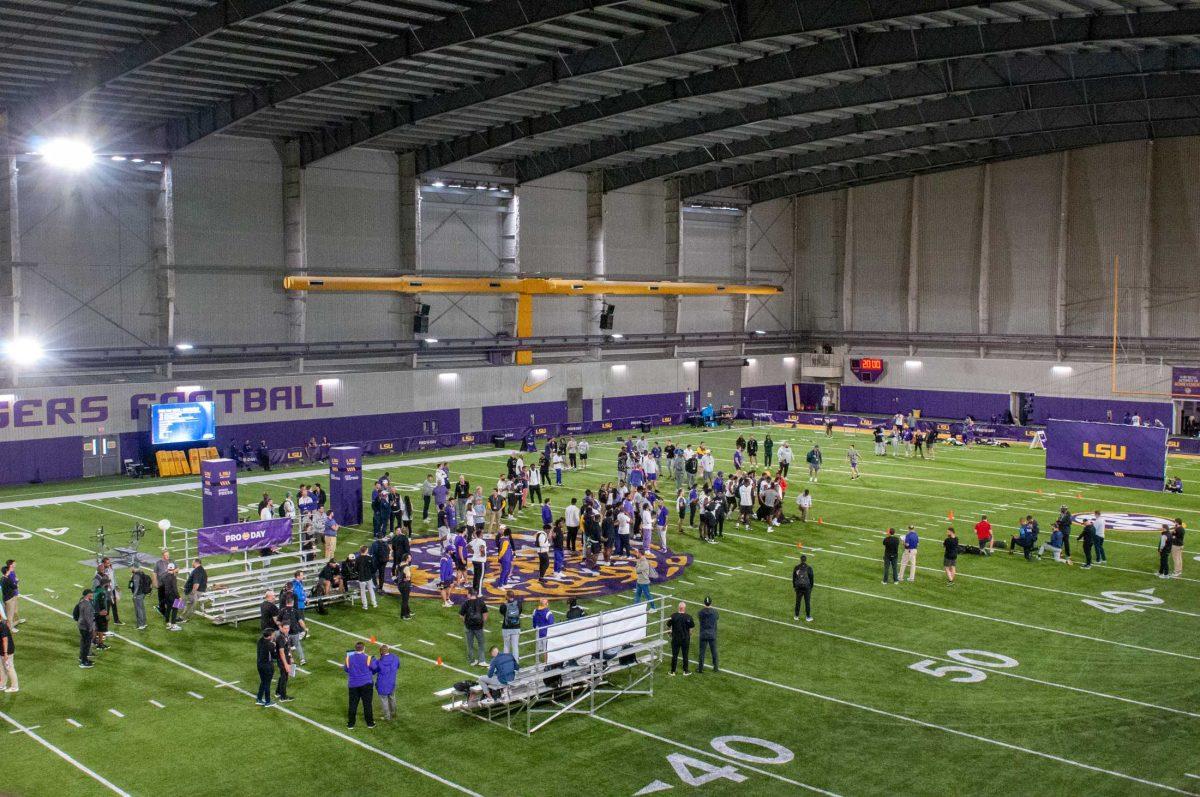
point(867, 369)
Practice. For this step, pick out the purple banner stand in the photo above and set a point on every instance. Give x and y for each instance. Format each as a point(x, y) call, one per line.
point(218, 488)
point(1106, 453)
point(252, 536)
point(345, 484)
point(1185, 381)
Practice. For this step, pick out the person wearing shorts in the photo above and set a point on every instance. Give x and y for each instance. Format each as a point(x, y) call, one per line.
point(814, 459)
point(983, 533)
point(950, 556)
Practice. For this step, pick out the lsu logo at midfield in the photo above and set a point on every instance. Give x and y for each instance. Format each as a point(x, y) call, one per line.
point(1104, 451)
point(1126, 521)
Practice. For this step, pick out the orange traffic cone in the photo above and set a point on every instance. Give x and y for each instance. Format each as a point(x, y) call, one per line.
point(820, 521)
point(950, 515)
point(439, 661)
point(799, 544)
point(1039, 491)
point(372, 640)
point(1079, 496)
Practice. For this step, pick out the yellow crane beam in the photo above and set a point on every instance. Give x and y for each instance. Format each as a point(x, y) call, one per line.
point(524, 287)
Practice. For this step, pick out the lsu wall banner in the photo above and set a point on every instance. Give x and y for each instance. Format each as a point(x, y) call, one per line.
point(1106, 453)
point(252, 536)
point(1185, 381)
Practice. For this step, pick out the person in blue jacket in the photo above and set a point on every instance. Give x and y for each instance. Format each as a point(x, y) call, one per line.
point(358, 685)
point(385, 668)
point(501, 671)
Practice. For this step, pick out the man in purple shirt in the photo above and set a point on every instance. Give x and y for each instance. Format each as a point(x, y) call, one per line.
point(358, 683)
point(543, 618)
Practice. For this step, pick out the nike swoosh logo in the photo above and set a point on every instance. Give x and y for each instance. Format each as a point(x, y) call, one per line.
point(528, 388)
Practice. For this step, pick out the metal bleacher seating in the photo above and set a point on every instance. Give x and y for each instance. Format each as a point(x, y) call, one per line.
point(236, 588)
point(580, 666)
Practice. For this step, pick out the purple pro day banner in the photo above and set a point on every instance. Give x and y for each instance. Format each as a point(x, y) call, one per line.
point(252, 536)
point(1185, 381)
point(1106, 453)
point(345, 484)
point(218, 491)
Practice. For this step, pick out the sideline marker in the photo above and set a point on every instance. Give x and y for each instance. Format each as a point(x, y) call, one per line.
point(439, 661)
point(950, 515)
point(372, 640)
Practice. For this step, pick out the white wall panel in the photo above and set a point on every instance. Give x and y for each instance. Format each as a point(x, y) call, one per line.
point(772, 235)
point(553, 233)
point(461, 233)
point(1024, 233)
point(820, 231)
point(881, 222)
point(948, 251)
point(1175, 274)
point(708, 246)
point(633, 230)
point(353, 202)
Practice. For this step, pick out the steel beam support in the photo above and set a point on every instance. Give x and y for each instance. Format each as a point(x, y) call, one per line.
point(985, 256)
point(594, 306)
point(965, 89)
point(162, 236)
point(739, 22)
point(839, 175)
point(90, 77)
point(10, 243)
point(487, 19)
point(914, 253)
point(1018, 123)
point(740, 268)
point(888, 50)
point(1146, 259)
point(512, 312)
point(1060, 248)
point(295, 241)
point(672, 255)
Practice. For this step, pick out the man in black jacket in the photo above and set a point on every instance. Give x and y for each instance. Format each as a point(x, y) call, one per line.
point(379, 556)
point(891, 552)
point(194, 589)
point(140, 586)
point(708, 634)
point(681, 625)
point(802, 583)
point(366, 578)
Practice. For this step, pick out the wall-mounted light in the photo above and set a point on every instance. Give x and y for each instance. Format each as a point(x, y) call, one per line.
point(447, 376)
point(1061, 370)
point(751, 361)
point(619, 367)
point(539, 372)
point(184, 347)
point(789, 360)
point(913, 363)
point(329, 382)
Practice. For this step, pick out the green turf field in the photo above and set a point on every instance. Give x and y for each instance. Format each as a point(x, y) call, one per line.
point(1066, 697)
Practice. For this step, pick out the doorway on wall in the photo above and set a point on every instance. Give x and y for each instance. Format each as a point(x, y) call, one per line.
point(721, 382)
point(1020, 406)
point(1186, 418)
point(574, 405)
point(101, 456)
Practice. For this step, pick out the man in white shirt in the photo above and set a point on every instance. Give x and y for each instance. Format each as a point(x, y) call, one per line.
point(571, 519)
point(584, 446)
point(707, 464)
point(1098, 543)
point(745, 493)
point(785, 458)
point(535, 486)
point(623, 521)
point(804, 502)
point(478, 548)
point(268, 510)
point(647, 525)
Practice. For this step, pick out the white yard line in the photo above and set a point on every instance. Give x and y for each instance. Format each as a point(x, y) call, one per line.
point(277, 707)
point(73, 723)
point(116, 713)
point(65, 757)
point(156, 704)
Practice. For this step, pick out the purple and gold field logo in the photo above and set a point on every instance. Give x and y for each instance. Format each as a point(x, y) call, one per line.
point(576, 583)
point(1126, 521)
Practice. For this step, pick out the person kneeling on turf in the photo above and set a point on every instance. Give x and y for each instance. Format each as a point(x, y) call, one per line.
point(1026, 538)
point(1055, 545)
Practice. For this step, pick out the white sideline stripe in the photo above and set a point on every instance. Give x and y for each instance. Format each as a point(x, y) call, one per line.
point(991, 670)
point(25, 730)
point(64, 756)
point(970, 614)
point(717, 756)
point(706, 578)
point(156, 704)
point(965, 734)
point(456, 636)
point(426, 642)
point(1190, 775)
point(116, 713)
point(75, 498)
point(73, 723)
point(277, 707)
point(334, 663)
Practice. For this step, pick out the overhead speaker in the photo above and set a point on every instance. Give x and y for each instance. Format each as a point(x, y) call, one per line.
point(606, 317)
point(421, 320)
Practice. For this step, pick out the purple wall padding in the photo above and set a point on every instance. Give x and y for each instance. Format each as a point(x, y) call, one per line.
point(640, 406)
point(1084, 409)
point(810, 394)
point(49, 459)
point(774, 396)
point(954, 404)
point(507, 416)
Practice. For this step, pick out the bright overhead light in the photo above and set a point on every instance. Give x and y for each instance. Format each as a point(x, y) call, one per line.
point(789, 360)
point(431, 340)
point(67, 153)
point(139, 160)
point(438, 184)
point(913, 363)
point(118, 158)
point(619, 367)
point(329, 382)
point(751, 361)
point(1061, 370)
point(7, 398)
point(616, 336)
point(184, 347)
point(760, 332)
point(689, 363)
point(24, 351)
point(539, 372)
point(447, 376)
point(188, 388)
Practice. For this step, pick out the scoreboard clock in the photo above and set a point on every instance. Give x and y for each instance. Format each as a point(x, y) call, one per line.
point(867, 369)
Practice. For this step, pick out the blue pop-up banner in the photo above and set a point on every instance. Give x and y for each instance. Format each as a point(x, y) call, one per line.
point(1106, 453)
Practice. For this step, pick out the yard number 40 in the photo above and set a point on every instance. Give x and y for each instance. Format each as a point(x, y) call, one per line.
point(1118, 602)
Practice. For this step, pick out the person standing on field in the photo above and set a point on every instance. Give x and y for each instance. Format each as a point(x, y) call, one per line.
point(950, 556)
point(358, 667)
point(85, 619)
point(385, 668)
point(510, 624)
point(266, 666)
point(8, 671)
point(891, 552)
point(983, 533)
point(1165, 542)
point(139, 588)
point(708, 627)
point(681, 624)
point(1098, 543)
point(852, 457)
point(1177, 548)
point(802, 583)
point(909, 557)
point(814, 460)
